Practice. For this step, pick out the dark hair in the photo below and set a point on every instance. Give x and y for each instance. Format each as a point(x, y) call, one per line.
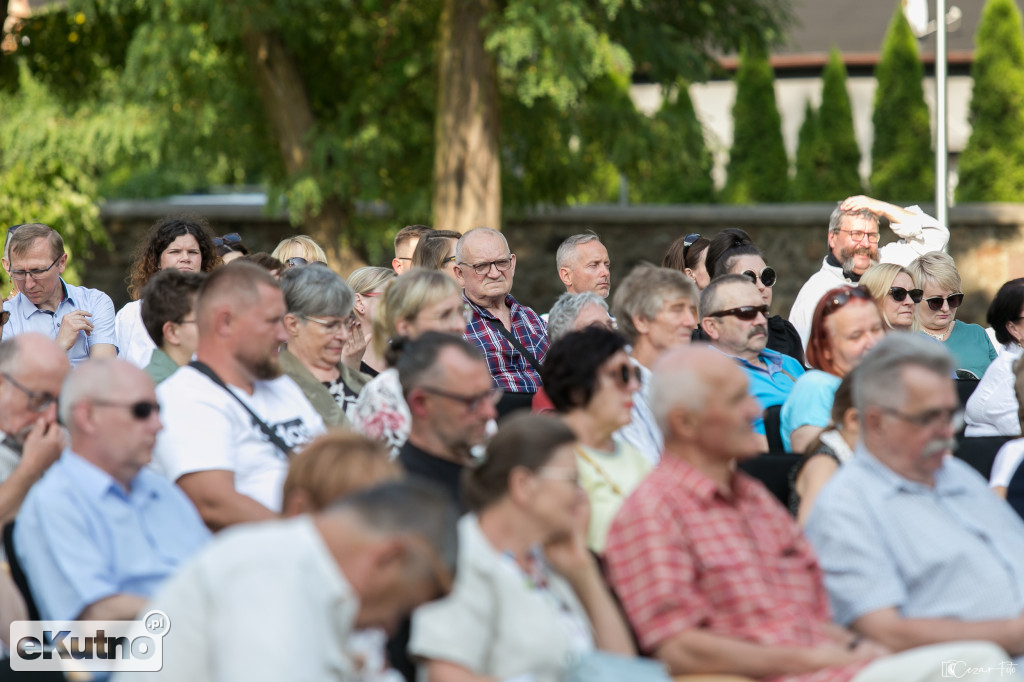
point(679, 257)
point(569, 373)
point(264, 260)
point(417, 358)
point(1006, 308)
point(524, 440)
point(146, 261)
point(225, 247)
point(168, 296)
point(432, 249)
point(728, 244)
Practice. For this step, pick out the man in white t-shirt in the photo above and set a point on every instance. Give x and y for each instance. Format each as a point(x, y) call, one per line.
point(211, 445)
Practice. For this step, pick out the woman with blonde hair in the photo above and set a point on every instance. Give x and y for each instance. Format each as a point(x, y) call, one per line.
point(368, 284)
point(417, 301)
point(299, 250)
point(892, 287)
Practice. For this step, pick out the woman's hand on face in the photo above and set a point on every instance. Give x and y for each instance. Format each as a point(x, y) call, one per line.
point(355, 346)
point(568, 553)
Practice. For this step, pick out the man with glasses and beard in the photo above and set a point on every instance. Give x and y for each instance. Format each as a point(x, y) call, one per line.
point(232, 418)
point(735, 319)
point(853, 234)
point(916, 549)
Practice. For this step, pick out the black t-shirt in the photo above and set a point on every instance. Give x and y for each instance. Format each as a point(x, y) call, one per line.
point(444, 472)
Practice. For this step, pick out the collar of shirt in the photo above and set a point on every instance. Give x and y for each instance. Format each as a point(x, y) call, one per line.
point(891, 483)
point(26, 308)
point(771, 359)
point(685, 476)
point(833, 262)
point(513, 306)
point(98, 483)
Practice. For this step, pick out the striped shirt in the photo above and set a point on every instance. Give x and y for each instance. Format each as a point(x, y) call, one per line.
point(510, 370)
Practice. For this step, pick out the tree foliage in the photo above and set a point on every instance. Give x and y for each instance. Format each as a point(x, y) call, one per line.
point(992, 164)
point(811, 158)
point(835, 119)
point(758, 169)
point(901, 154)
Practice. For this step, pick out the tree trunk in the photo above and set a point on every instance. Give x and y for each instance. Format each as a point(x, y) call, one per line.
point(467, 168)
point(291, 121)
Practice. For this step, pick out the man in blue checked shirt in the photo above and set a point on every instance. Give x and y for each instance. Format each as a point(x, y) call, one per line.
point(512, 337)
point(734, 317)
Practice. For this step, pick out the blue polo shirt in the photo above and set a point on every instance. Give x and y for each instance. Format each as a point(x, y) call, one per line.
point(770, 382)
point(26, 317)
point(82, 537)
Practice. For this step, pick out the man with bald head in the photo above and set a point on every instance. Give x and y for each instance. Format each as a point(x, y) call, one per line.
point(713, 572)
point(232, 417)
point(100, 532)
point(32, 369)
point(511, 336)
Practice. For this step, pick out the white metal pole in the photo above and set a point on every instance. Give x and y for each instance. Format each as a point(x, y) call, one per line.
point(941, 143)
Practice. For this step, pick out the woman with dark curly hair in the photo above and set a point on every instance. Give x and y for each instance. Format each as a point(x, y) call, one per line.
point(182, 242)
point(590, 380)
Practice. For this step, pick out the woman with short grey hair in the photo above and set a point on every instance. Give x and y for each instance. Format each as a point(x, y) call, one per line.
point(572, 312)
point(319, 322)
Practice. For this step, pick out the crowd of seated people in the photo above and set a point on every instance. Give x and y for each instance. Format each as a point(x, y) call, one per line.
point(410, 474)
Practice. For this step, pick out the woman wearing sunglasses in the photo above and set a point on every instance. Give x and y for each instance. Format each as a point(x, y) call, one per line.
point(992, 409)
point(732, 252)
point(893, 290)
point(299, 250)
point(590, 380)
point(845, 325)
point(936, 275)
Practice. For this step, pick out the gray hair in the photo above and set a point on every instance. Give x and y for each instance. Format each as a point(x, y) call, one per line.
point(672, 387)
point(644, 291)
point(461, 244)
point(315, 290)
point(94, 378)
point(10, 351)
point(709, 297)
point(879, 379)
point(567, 249)
point(839, 216)
point(567, 308)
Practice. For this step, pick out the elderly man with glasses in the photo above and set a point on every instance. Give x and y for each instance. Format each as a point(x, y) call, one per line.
point(853, 234)
point(512, 337)
point(79, 319)
point(916, 549)
point(735, 319)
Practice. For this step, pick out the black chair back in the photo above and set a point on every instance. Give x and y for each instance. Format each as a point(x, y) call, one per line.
point(964, 389)
point(980, 451)
point(773, 429)
point(773, 470)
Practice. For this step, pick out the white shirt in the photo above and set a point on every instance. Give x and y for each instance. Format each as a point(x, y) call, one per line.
point(642, 431)
point(917, 237)
point(264, 602)
point(992, 408)
point(1006, 462)
point(206, 429)
point(133, 341)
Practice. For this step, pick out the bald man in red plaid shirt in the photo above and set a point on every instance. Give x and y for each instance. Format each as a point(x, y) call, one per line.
point(714, 574)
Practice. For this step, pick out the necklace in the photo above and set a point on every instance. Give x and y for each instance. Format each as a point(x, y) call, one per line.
point(942, 336)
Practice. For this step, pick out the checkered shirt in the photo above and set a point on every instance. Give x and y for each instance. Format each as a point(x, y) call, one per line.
point(509, 369)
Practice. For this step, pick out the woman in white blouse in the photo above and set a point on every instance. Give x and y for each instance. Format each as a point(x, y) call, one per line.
point(992, 408)
point(529, 599)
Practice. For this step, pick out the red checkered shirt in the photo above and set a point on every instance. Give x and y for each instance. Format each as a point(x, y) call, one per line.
point(682, 555)
point(509, 369)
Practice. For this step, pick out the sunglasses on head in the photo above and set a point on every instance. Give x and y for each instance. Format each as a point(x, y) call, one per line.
point(954, 301)
point(767, 276)
point(232, 238)
point(844, 295)
point(899, 294)
point(688, 241)
point(140, 410)
point(746, 312)
point(296, 260)
point(624, 373)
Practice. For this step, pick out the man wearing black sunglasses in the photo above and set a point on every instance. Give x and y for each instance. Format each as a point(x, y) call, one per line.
point(735, 318)
point(101, 531)
point(853, 236)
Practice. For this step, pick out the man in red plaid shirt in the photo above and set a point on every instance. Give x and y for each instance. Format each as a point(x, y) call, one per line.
point(714, 574)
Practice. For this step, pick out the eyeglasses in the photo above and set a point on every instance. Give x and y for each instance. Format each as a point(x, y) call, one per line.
point(232, 238)
point(465, 310)
point(625, 373)
point(767, 277)
point(37, 402)
point(858, 235)
point(746, 312)
point(688, 241)
point(929, 418)
point(954, 301)
point(334, 326)
point(141, 410)
point(570, 475)
point(449, 259)
point(20, 275)
point(295, 260)
point(899, 294)
point(483, 268)
point(472, 402)
point(844, 295)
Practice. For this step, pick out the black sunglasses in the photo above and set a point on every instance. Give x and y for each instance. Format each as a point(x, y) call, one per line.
point(688, 241)
point(767, 277)
point(746, 312)
point(624, 373)
point(296, 260)
point(843, 296)
point(140, 410)
point(954, 301)
point(899, 294)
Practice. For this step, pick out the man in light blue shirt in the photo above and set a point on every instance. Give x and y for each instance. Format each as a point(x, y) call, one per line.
point(915, 547)
point(733, 315)
point(79, 319)
point(100, 532)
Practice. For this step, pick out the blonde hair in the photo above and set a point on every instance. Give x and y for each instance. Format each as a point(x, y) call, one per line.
point(370, 278)
point(878, 280)
point(936, 267)
point(413, 291)
point(336, 464)
point(307, 248)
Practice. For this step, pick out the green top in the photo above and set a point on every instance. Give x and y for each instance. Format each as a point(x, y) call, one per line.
point(160, 366)
point(970, 347)
point(316, 393)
